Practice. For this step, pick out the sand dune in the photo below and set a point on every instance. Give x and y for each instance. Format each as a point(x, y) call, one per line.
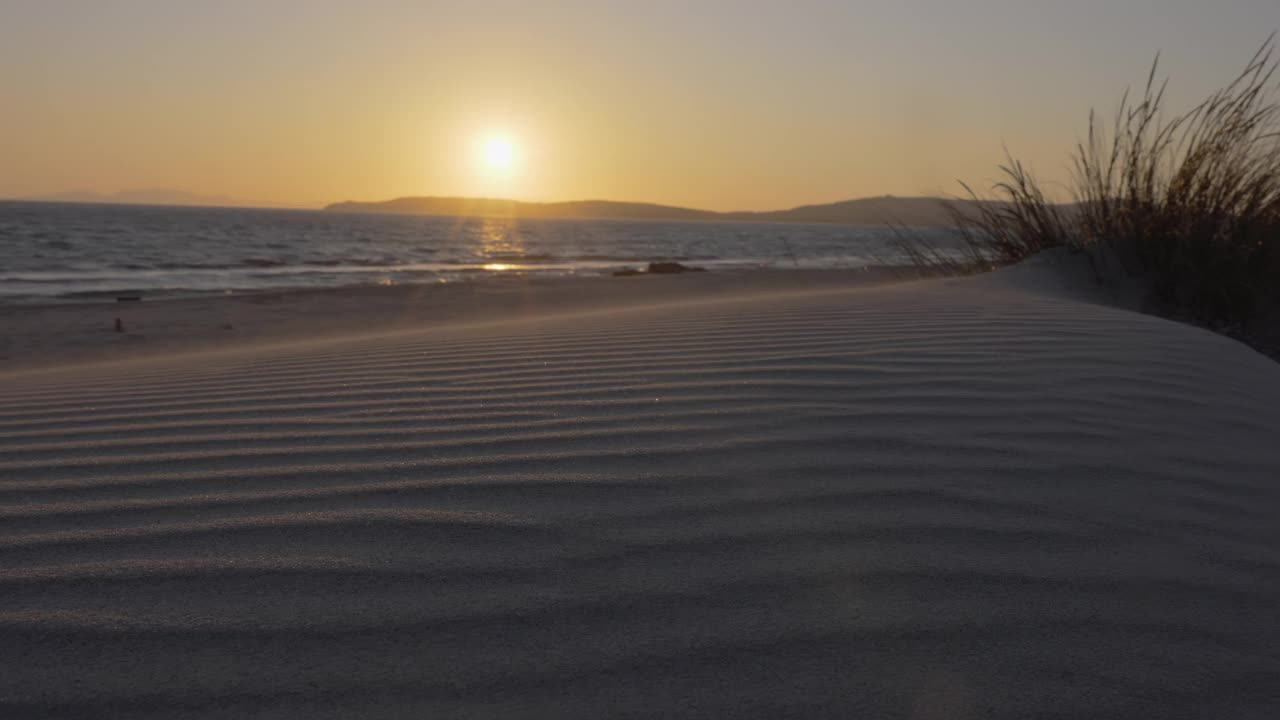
point(941, 499)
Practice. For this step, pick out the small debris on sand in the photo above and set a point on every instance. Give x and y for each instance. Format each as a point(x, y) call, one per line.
point(669, 268)
point(658, 268)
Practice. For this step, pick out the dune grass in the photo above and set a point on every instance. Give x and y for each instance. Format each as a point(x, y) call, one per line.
point(1188, 203)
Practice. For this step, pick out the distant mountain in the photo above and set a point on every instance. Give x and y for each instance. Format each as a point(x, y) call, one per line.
point(490, 207)
point(918, 211)
point(871, 211)
point(147, 196)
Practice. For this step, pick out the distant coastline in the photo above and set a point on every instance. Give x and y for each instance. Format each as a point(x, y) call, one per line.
point(145, 196)
point(918, 211)
point(882, 210)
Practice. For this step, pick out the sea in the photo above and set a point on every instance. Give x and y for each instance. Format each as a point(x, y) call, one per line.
point(51, 252)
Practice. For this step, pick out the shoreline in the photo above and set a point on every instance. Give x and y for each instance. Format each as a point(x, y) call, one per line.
point(38, 336)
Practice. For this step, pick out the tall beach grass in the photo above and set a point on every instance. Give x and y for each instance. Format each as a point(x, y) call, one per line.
point(1188, 203)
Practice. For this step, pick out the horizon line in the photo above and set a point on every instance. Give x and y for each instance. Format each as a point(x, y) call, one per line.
point(54, 199)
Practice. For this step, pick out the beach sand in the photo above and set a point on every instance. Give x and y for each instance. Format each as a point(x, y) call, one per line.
point(765, 496)
point(38, 335)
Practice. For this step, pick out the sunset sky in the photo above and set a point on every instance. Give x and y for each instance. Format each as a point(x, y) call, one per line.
point(714, 104)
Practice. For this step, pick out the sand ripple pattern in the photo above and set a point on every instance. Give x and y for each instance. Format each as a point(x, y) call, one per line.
point(922, 501)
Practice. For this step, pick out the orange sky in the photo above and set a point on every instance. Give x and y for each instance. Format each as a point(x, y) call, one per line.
point(722, 105)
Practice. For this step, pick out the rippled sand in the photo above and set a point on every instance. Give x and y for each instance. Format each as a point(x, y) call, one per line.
point(948, 499)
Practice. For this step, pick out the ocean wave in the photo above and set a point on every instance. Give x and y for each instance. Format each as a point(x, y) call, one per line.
point(254, 262)
point(521, 257)
point(633, 258)
point(112, 293)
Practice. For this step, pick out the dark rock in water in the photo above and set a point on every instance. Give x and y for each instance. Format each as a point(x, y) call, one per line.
point(128, 298)
point(671, 268)
point(658, 268)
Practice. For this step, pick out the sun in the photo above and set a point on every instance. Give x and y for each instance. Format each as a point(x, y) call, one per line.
point(498, 153)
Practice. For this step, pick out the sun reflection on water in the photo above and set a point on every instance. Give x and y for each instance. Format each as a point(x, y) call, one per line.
point(500, 240)
point(499, 235)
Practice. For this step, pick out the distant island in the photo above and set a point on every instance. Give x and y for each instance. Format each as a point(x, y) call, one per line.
point(886, 209)
point(917, 211)
point(146, 196)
